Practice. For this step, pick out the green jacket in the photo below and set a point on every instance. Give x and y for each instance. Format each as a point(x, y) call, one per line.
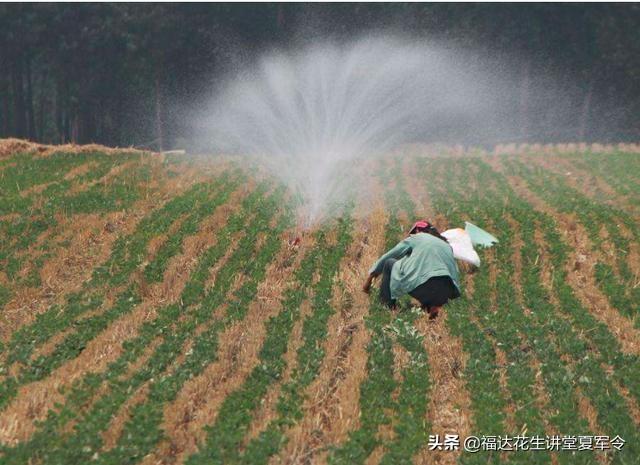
point(420, 257)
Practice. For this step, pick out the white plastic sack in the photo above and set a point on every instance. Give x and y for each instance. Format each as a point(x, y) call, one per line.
point(460, 242)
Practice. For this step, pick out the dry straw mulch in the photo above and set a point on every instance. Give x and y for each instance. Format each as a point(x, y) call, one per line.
point(12, 146)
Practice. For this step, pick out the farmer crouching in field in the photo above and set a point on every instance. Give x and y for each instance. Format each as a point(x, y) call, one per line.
point(421, 265)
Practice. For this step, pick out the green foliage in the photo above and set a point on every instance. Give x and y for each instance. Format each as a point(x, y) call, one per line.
point(522, 306)
point(224, 437)
point(174, 325)
point(133, 247)
point(550, 336)
point(201, 209)
point(30, 171)
point(377, 406)
point(619, 170)
point(39, 210)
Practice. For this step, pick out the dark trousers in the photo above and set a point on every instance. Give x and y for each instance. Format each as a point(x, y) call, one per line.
point(385, 285)
point(435, 292)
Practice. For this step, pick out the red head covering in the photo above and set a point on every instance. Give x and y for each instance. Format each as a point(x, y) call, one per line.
point(422, 224)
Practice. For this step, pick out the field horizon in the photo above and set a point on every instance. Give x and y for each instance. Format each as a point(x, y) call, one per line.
point(157, 309)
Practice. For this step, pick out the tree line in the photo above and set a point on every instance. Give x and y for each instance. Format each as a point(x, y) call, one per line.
point(126, 74)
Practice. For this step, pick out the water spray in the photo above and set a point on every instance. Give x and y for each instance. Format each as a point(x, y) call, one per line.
point(311, 115)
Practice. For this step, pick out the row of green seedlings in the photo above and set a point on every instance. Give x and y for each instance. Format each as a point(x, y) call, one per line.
point(618, 283)
point(32, 172)
point(173, 329)
point(590, 344)
point(620, 287)
point(568, 166)
point(598, 337)
point(127, 255)
point(142, 432)
point(407, 413)
point(589, 354)
point(501, 323)
point(26, 171)
point(506, 325)
point(38, 211)
point(485, 320)
point(544, 321)
point(190, 296)
point(619, 170)
point(225, 437)
point(410, 409)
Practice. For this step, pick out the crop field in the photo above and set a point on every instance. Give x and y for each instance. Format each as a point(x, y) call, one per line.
point(155, 310)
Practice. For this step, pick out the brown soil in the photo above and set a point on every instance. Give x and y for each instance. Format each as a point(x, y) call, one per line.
point(331, 406)
point(583, 181)
point(91, 236)
point(35, 399)
point(198, 402)
point(79, 170)
point(449, 409)
point(69, 267)
point(579, 268)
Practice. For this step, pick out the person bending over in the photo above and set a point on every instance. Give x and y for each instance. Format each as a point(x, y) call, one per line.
point(422, 265)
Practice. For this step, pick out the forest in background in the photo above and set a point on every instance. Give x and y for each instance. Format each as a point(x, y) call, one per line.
point(129, 74)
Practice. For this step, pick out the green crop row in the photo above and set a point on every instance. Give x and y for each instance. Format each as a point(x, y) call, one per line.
point(29, 171)
point(377, 406)
point(564, 340)
point(226, 434)
point(309, 355)
point(410, 409)
point(471, 317)
point(377, 388)
point(142, 431)
point(18, 233)
point(618, 169)
point(503, 321)
point(590, 344)
point(509, 318)
point(175, 324)
point(54, 321)
point(128, 253)
point(21, 232)
point(592, 216)
point(544, 321)
point(597, 331)
point(154, 271)
point(622, 297)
